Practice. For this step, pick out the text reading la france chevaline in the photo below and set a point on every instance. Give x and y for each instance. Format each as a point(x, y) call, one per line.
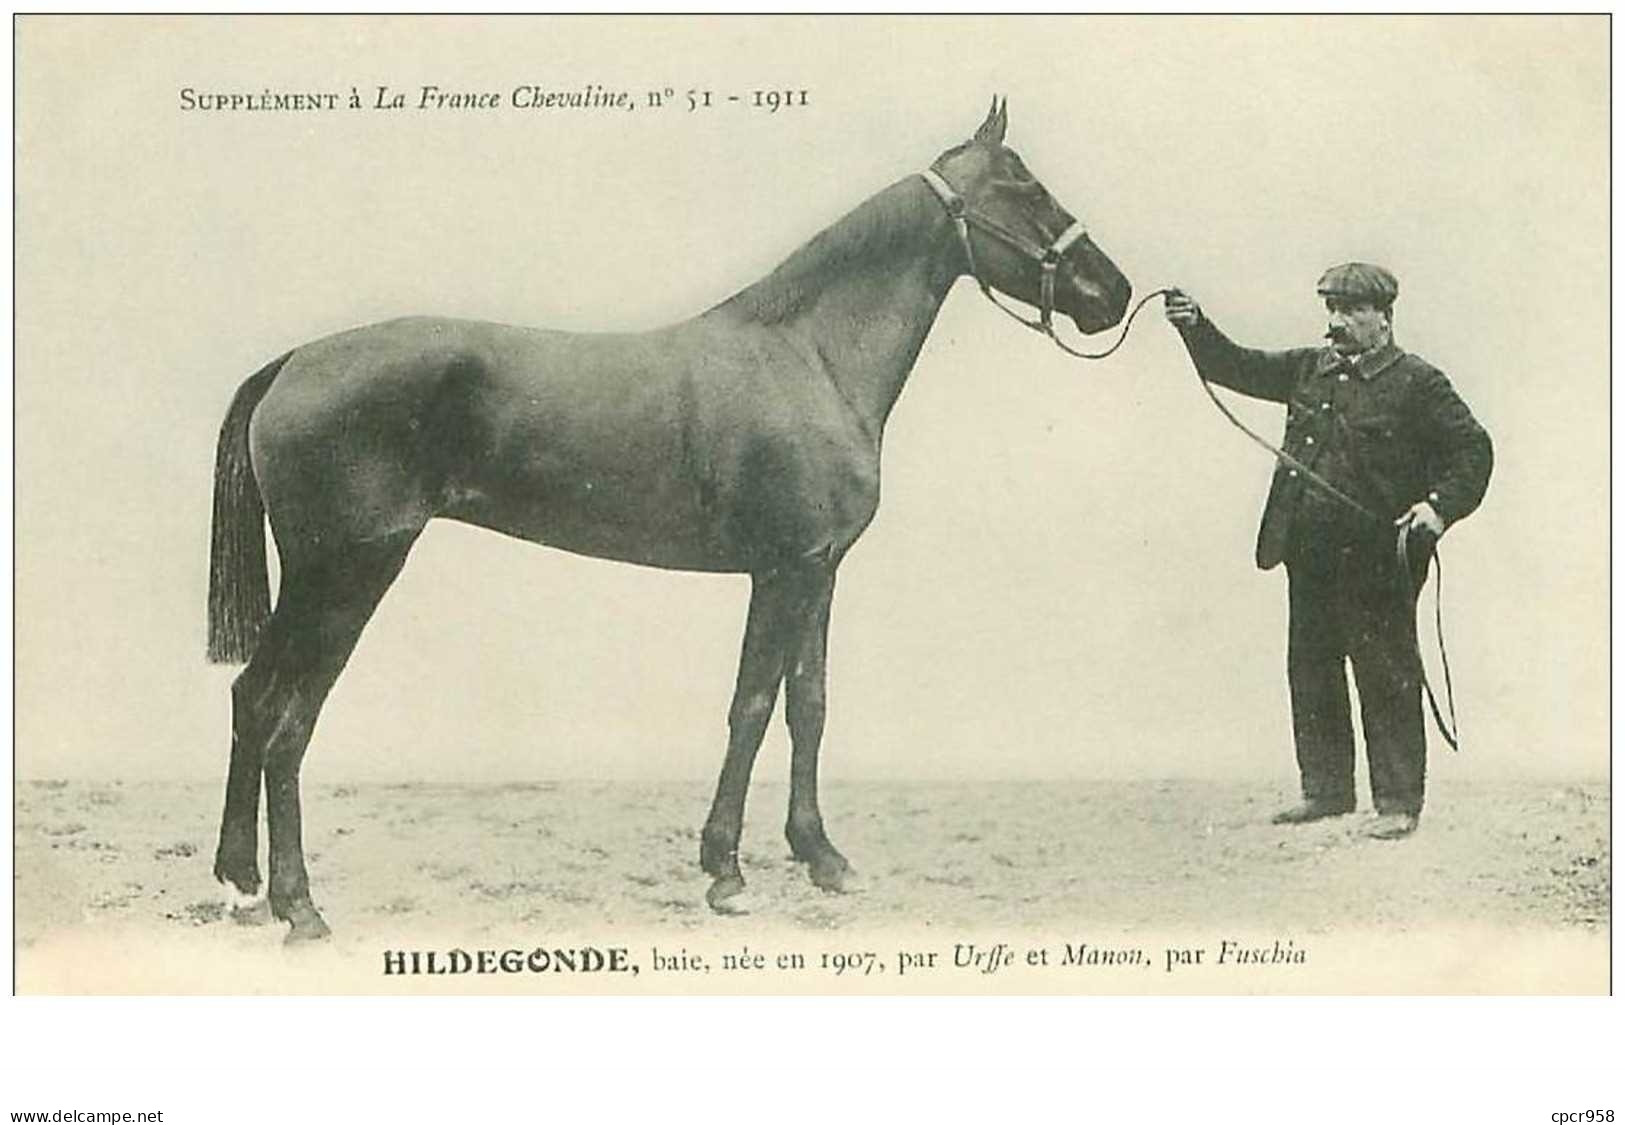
point(529, 96)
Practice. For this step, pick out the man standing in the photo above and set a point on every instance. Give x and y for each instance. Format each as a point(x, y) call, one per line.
point(1387, 431)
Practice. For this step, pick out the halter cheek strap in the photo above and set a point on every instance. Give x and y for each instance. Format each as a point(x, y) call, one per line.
point(1048, 259)
point(955, 206)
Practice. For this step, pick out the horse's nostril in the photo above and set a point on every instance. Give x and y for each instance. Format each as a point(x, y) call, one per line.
point(1124, 294)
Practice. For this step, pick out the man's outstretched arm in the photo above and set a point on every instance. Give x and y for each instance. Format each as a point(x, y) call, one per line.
point(1260, 374)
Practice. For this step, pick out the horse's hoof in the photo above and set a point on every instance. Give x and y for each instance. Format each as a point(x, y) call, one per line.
point(723, 897)
point(243, 882)
point(305, 926)
point(251, 911)
point(833, 874)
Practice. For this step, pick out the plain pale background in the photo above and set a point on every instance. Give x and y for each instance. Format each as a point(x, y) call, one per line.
point(1059, 581)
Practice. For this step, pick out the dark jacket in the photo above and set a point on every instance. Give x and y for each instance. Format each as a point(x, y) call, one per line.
point(1387, 430)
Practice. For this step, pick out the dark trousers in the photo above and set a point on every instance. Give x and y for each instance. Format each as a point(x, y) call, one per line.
point(1348, 603)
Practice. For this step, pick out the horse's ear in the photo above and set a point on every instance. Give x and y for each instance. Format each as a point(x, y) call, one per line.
point(991, 131)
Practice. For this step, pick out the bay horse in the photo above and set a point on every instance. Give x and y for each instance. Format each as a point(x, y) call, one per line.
point(744, 440)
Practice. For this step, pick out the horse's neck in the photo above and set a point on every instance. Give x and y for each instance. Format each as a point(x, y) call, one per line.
point(860, 298)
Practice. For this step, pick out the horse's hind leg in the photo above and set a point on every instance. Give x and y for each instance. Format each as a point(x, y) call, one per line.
point(236, 858)
point(804, 703)
point(323, 605)
point(778, 606)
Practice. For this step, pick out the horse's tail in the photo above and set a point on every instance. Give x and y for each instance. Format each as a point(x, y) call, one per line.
point(239, 583)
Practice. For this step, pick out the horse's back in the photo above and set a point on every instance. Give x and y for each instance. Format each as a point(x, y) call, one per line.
point(399, 365)
point(641, 446)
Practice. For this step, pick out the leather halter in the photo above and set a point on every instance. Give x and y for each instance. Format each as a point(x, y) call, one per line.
point(1048, 257)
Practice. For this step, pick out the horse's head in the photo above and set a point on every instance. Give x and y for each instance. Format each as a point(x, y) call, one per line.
point(1012, 222)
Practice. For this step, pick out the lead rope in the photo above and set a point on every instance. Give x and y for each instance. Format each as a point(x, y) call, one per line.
point(1451, 732)
point(1049, 259)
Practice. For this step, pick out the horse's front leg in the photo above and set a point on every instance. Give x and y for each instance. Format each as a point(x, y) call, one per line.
point(804, 704)
point(779, 602)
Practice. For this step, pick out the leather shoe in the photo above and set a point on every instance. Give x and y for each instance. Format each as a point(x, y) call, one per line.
point(1310, 811)
point(1392, 826)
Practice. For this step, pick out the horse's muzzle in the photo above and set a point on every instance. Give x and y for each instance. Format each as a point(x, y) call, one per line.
point(1095, 308)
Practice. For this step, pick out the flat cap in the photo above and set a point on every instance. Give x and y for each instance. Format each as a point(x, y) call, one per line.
point(1359, 281)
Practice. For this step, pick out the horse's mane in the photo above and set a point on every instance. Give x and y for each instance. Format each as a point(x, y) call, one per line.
point(871, 232)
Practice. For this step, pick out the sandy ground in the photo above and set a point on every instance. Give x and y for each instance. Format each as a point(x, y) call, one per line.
point(109, 873)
